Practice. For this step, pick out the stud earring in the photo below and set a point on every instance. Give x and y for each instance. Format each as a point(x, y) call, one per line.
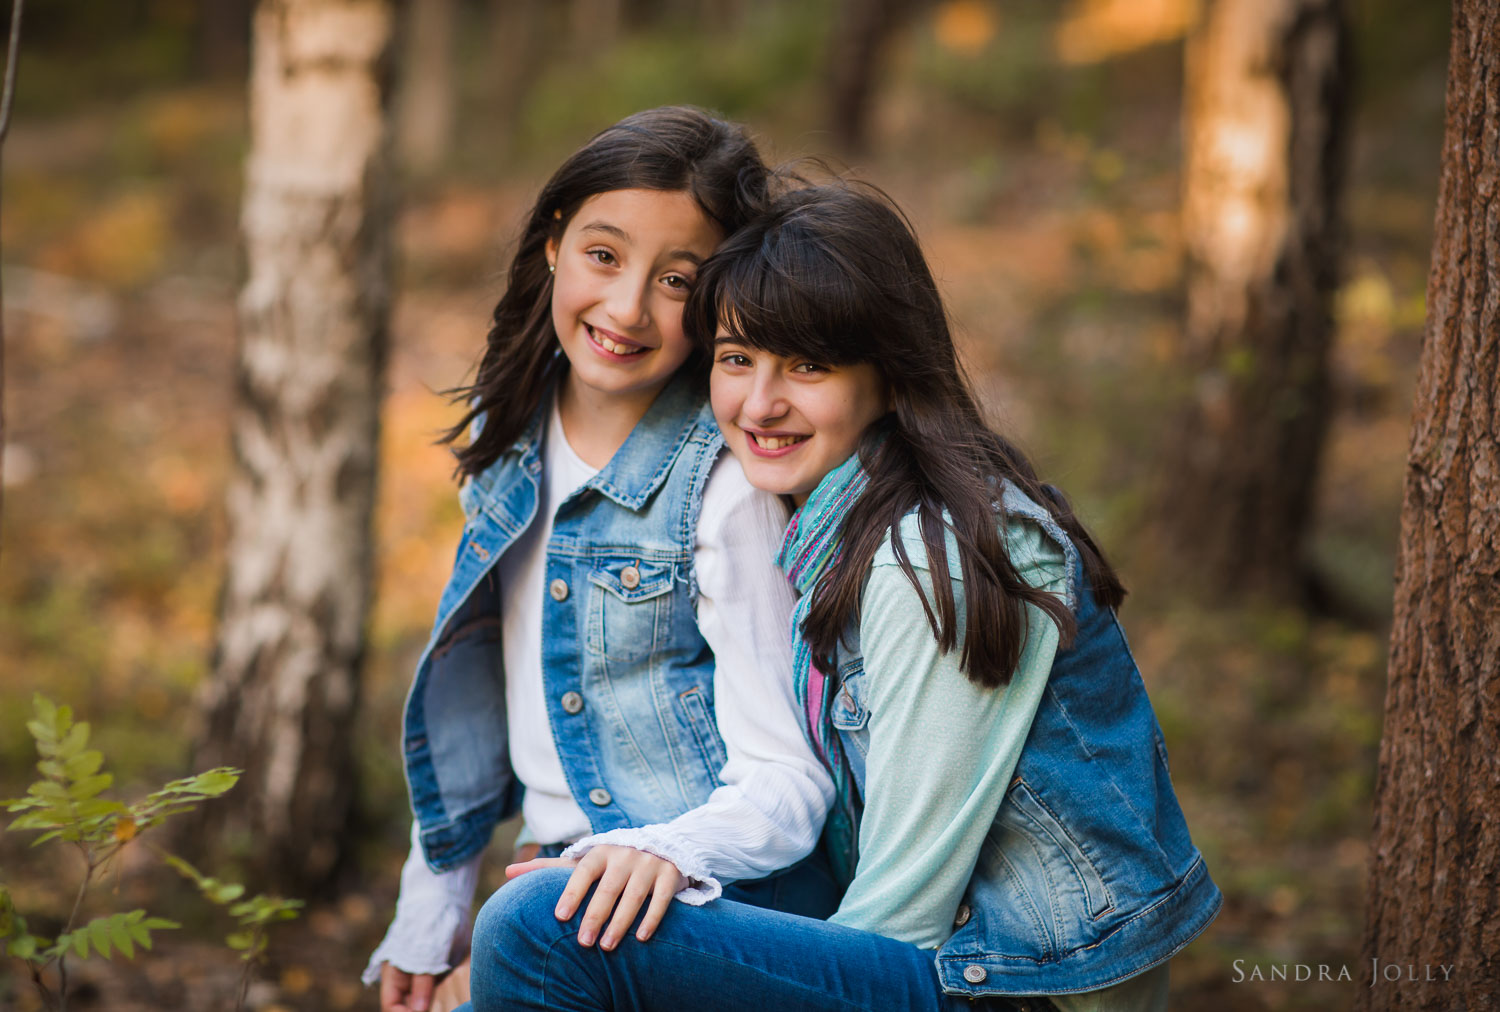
point(552, 268)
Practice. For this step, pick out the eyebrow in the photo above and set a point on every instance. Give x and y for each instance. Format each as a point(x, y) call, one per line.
point(624, 236)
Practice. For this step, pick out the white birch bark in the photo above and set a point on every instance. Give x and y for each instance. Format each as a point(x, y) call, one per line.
point(312, 349)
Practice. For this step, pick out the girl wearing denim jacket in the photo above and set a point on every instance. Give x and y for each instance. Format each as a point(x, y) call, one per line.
point(609, 656)
point(1003, 816)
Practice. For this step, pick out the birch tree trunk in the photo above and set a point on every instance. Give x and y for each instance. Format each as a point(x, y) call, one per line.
point(1434, 894)
point(1264, 146)
point(312, 322)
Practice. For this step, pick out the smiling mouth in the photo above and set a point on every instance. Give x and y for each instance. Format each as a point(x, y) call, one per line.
point(775, 442)
point(614, 347)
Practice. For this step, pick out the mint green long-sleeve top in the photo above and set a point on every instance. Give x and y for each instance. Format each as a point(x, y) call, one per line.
point(942, 752)
point(942, 749)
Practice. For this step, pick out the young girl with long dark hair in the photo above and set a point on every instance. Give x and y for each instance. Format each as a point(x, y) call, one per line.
point(609, 655)
point(1004, 816)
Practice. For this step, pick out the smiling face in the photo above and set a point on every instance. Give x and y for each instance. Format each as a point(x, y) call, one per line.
point(790, 421)
point(623, 268)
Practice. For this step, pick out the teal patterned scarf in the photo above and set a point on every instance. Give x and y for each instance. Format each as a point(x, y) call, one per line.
point(811, 544)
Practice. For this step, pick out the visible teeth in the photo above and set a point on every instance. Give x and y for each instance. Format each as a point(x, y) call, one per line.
point(775, 442)
point(618, 349)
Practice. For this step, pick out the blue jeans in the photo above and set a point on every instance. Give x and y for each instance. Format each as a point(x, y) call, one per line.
point(725, 955)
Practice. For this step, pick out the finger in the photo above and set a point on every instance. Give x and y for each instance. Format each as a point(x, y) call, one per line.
point(636, 890)
point(583, 876)
point(394, 985)
point(421, 992)
point(661, 901)
point(616, 876)
point(522, 867)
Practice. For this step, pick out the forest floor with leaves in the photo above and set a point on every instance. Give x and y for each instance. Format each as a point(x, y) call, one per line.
point(1057, 250)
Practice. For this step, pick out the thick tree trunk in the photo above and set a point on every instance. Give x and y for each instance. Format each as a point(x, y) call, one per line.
point(596, 25)
point(223, 37)
point(861, 34)
point(313, 317)
point(520, 29)
point(1434, 897)
point(1264, 146)
point(428, 85)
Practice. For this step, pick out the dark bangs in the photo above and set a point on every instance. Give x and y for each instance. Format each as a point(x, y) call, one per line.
point(785, 286)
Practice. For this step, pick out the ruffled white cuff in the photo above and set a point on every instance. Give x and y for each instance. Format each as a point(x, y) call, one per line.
point(701, 887)
point(433, 944)
point(430, 932)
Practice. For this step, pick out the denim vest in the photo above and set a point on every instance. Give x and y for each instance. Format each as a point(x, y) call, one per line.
point(1088, 875)
point(627, 675)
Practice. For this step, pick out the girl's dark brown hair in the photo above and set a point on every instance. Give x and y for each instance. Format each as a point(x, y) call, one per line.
point(673, 148)
point(833, 275)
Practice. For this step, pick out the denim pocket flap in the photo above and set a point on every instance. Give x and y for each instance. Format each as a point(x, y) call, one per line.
point(631, 580)
point(849, 712)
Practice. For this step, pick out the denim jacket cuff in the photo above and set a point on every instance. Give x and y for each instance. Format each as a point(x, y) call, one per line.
point(701, 885)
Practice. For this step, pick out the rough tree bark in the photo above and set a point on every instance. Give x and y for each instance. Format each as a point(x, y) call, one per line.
point(1264, 145)
point(1434, 892)
point(312, 322)
point(861, 34)
point(428, 88)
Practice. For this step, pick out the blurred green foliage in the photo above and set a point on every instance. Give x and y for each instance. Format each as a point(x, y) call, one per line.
point(68, 804)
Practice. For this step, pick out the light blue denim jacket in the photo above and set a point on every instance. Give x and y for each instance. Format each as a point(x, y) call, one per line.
point(632, 711)
point(1087, 875)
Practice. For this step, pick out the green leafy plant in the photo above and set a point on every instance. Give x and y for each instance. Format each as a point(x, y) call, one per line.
point(68, 804)
point(253, 916)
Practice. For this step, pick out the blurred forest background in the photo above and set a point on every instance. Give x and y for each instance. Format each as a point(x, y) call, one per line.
point(1037, 145)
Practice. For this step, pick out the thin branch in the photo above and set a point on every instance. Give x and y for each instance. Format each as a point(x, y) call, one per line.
point(41, 985)
point(7, 97)
point(62, 958)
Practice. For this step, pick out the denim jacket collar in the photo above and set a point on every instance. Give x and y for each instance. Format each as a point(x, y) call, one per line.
point(642, 463)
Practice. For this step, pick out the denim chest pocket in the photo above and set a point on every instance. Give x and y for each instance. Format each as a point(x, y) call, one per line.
point(630, 608)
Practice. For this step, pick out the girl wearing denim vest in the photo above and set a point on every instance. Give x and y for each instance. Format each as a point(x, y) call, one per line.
point(1003, 817)
point(609, 656)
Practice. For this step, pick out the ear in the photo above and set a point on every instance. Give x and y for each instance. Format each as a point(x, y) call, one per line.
point(551, 252)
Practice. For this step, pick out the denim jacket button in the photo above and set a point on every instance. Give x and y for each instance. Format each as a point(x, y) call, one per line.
point(572, 702)
point(975, 974)
point(630, 578)
point(600, 796)
point(558, 589)
point(963, 915)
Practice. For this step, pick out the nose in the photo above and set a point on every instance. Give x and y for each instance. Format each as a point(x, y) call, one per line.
point(766, 400)
point(627, 303)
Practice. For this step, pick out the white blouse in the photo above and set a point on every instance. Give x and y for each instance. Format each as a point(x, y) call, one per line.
point(775, 793)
